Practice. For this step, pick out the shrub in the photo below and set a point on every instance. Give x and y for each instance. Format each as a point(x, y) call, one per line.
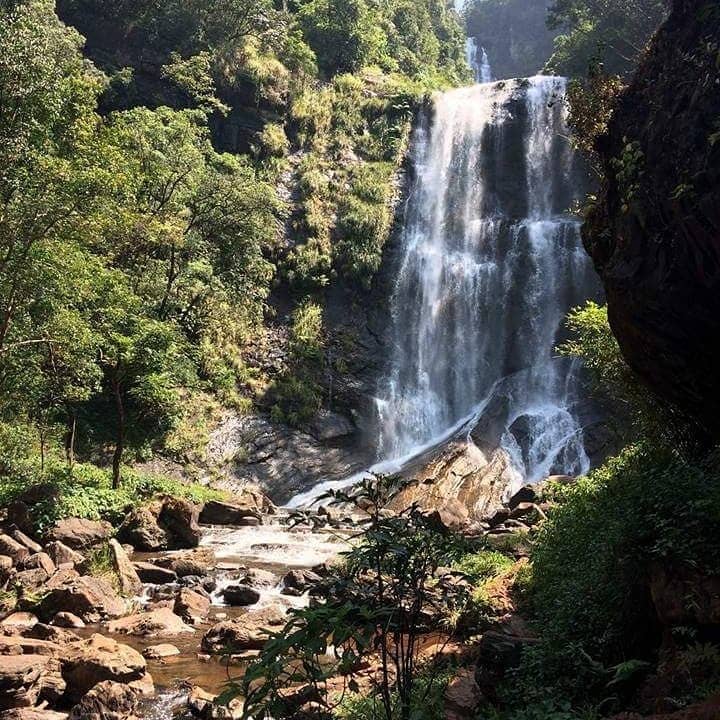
point(592, 556)
point(484, 565)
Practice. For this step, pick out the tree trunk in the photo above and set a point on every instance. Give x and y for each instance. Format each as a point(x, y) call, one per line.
point(120, 436)
point(70, 439)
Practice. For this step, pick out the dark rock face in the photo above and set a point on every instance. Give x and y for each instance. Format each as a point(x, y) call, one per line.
point(655, 233)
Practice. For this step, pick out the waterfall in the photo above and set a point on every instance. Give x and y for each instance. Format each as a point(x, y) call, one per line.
point(490, 264)
point(478, 60)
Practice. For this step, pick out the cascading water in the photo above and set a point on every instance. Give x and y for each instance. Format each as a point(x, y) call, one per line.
point(491, 263)
point(478, 60)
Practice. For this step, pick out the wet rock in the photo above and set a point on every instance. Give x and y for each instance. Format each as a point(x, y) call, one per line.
point(98, 659)
point(108, 700)
point(196, 562)
point(217, 512)
point(154, 574)
point(67, 620)
point(79, 533)
point(248, 632)
point(39, 561)
point(298, 581)
point(195, 582)
point(91, 599)
point(162, 621)
point(191, 606)
point(19, 621)
point(462, 696)
point(61, 554)
point(240, 595)
point(257, 577)
point(202, 705)
point(13, 549)
point(158, 652)
point(130, 583)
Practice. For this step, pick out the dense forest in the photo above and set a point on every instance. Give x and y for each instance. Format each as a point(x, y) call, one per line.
point(203, 215)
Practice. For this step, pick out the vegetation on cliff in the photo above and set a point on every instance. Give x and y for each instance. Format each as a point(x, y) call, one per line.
point(138, 256)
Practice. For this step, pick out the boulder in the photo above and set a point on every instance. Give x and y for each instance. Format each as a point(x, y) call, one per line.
point(98, 659)
point(91, 599)
point(462, 696)
point(499, 517)
point(257, 577)
point(20, 680)
point(21, 645)
point(158, 652)
point(78, 533)
point(39, 561)
point(108, 700)
point(180, 518)
point(130, 583)
point(191, 606)
point(240, 595)
point(33, 714)
point(154, 574)
point(248, 632)
point(300, 580)
point(327, 425)
point(64, 574)
point(51, 633)
point(165, 524)
point(19, 621)
point(141, 530)
point(526, 494)
point(67, 620)
point(13, 549)
point(25, 540)
point(61, 554)
point(217, 512)
point(30, 580)
point(162, 621)
point(195, 562)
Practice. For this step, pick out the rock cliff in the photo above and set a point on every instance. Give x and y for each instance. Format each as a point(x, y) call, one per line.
point(654, 234)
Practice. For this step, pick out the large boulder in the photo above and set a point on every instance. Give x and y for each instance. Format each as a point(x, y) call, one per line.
point(154, 574)
point(462, 696)
point(97, 659)
point(191, 606)
point(141, 530)
point(130, 583)
point(197, 562)
point(108, 700)
point(34, 714)
point(61, 554)
point(79, 533)
point(180, 518)
point(13, 549)
point(18, 621)
point(240, 595)
point(165, 524)
point(248, 632)
point(162, 621)
point(39, 561)
point(17, 534)
point(26, 679)
point(91, 599)
point(217, 512)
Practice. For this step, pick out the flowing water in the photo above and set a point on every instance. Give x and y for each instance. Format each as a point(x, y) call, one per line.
point(478, 60)
point(491, 263)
